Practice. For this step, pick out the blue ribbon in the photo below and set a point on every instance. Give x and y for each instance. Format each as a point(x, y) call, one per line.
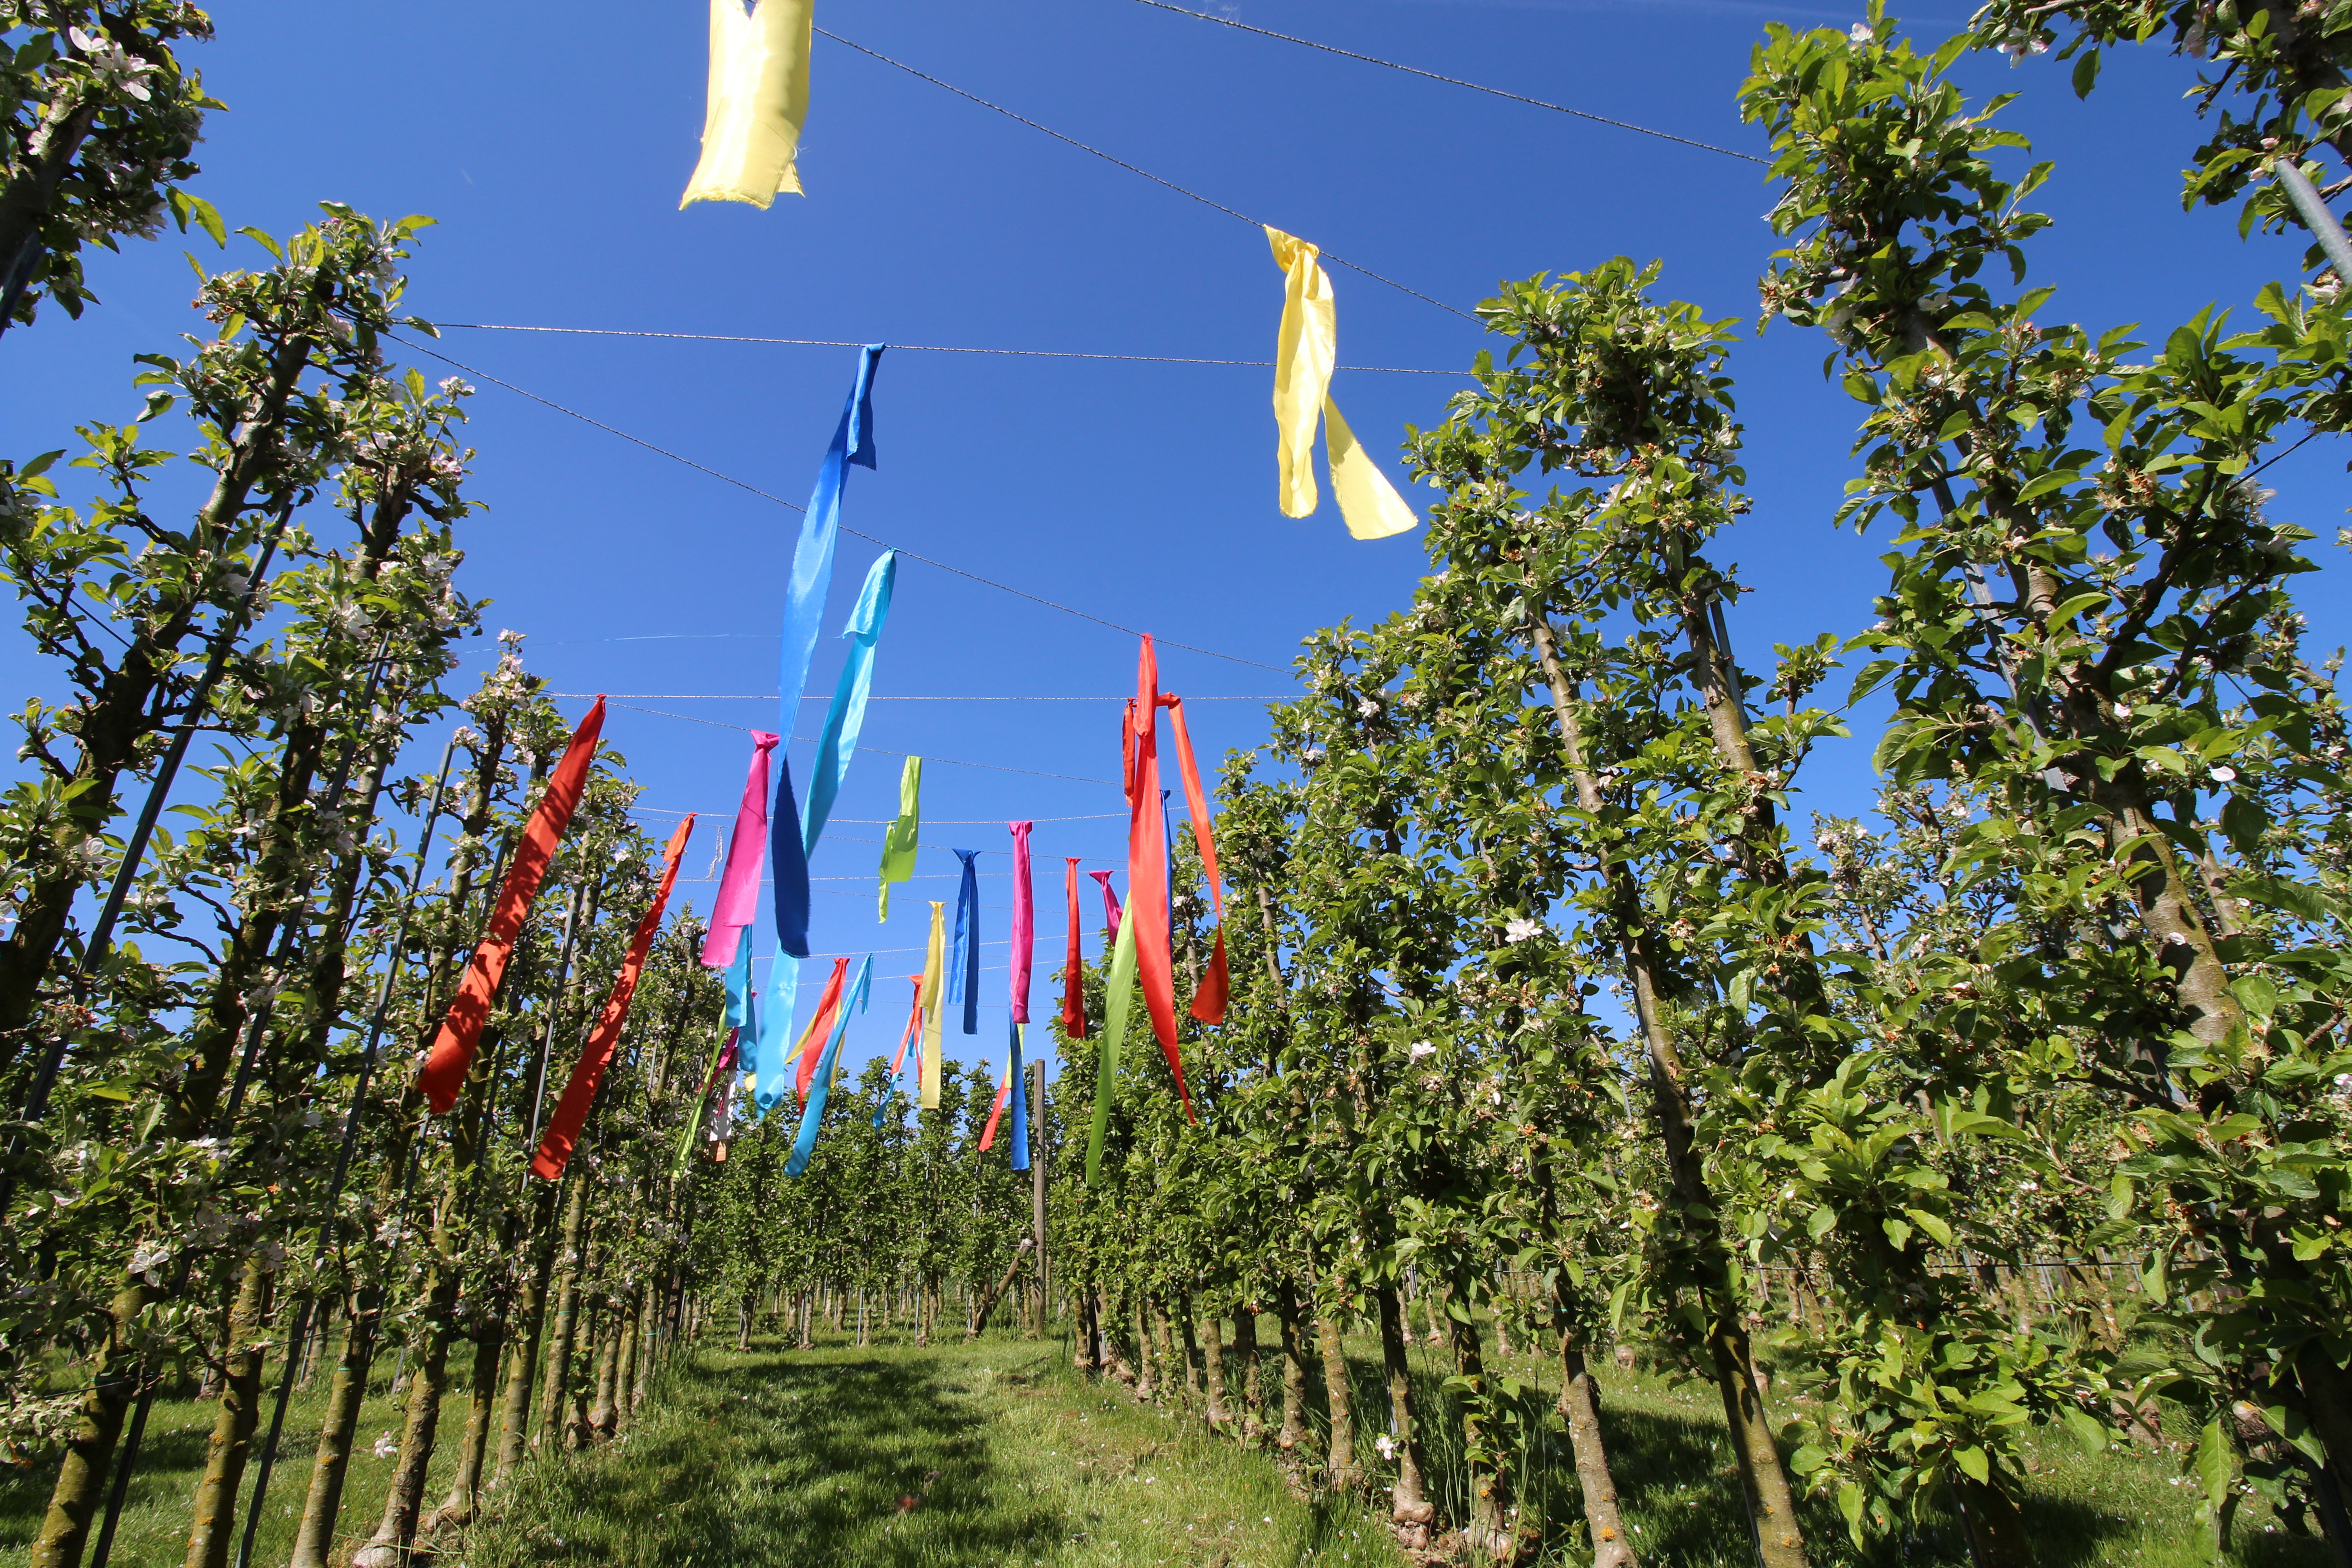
point(775, 1043)
point(853, 442)
point(788, 863)
point(812, 1114)
point(1020, 1092)
point(963, 961)
point(847, 717)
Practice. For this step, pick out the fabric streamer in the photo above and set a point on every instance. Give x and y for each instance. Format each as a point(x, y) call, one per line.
point(914, 1024)
point(820, 1026)
point(1146, 865)
point(963, 962)
point(1004, 1090)
point(813, 1113)
point(1117, 994)
point(1305, 353)
point(1111, 902)
point(740, 1012)
point(899, 842)
point(1209, 997)
point(1074, 990)
point(1019, 1079)
point(721, 1060)
point(452, 1056)
point(845, 718)
point(934, 964)
point(853, 444)
point(738, 903)
point(788, 863)
point(588, 1072)
point(775, 1020)
point(758, 101)
point(1025, 919)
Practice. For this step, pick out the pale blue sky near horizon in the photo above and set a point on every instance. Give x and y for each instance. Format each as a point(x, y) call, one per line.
point(552, 150)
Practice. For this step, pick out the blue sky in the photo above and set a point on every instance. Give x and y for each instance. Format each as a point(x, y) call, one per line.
point(552, 145)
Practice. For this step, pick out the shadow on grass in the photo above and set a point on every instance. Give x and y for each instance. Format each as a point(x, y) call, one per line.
point(759, 1457)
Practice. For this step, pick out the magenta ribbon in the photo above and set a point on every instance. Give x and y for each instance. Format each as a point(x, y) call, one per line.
point(737, 904)
point(1024, 921)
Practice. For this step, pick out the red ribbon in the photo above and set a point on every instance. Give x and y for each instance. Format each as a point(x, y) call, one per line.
point(913, 1026)
point(1147, 864)
point(580, 1094)
point(444, 1069)
point(820, 1027)
point(1209, 1000)
point(1074, 991)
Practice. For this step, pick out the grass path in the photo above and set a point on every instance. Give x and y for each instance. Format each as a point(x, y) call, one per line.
point(969, 1456)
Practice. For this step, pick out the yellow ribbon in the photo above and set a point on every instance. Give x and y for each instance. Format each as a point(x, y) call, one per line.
point(758, 102)
point(934, 971)
point(1304, 356)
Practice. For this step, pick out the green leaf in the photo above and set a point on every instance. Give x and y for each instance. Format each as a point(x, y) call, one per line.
point(2086, 73)
point(2085, 1429)
point(1821, 1222)
point(1973, 1463)
point(2294, 897)
point(2216, 1466)
point(1850, 1504)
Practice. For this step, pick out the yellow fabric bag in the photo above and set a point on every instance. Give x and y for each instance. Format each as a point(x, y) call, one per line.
point(1304, 356)
point(758, 102)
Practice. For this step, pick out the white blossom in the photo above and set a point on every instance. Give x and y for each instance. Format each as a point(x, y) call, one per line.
point(386, 1446)
point(1420, 1050)
point(1523, 929)
point(2225, 775)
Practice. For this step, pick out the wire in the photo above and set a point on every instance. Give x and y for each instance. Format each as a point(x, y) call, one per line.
point(1147, 174)
point(1452, 80)
point(921, 348)
point(818, 697)
point(870, 539)
point(878, 751)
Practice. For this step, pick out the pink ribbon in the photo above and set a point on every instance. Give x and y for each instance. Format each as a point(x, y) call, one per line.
point(738, 903)
point(1024, 921)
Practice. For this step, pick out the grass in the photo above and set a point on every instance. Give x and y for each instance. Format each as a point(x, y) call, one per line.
point(997, 1455)
point(155, 1511)
point(888, 1456)
point(1682, 1498)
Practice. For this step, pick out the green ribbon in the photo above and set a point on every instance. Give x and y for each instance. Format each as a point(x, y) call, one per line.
point(898, 844)
point(1122, 986)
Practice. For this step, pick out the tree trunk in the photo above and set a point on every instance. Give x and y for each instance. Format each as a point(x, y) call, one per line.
point(90, 1448)
point(529, 1322)
point(1410, 1505)
point(624, 1376)
point(1294, 1369)
point(1212, 1364)
point(1489, 1532)
point(338, 1425)
point(213, 1527)
point(1253, 1427)
point(603, 1415)
point(569, 1261)
point(1996, 1531)
point(1182, 1310)
point(1148, 1375)
point(1580, 1406)
point(396, 1531)
point(481, 1410)
point(1341, 1472)
point(1771, 1501)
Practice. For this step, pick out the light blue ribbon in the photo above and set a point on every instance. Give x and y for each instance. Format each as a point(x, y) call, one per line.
point(853, 442)
point(774, 1042)
point(847, 717)
point(812, 1114)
